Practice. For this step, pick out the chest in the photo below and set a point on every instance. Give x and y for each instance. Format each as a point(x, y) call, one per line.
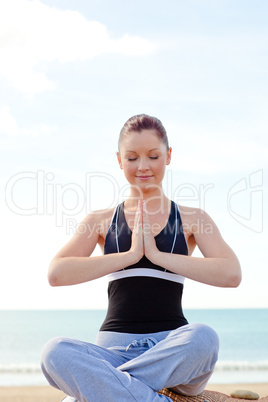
point(157, 222)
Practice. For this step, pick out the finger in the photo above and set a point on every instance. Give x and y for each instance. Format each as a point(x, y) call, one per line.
point(138, 212)
point(138, 220)
point(146, 222)
point(145, 214)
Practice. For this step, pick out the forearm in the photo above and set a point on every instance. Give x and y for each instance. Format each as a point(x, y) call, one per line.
point(222, 272)
point(73, 270)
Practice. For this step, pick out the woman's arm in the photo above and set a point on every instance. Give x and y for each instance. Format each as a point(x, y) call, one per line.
point(73, 264)
point(220, 267)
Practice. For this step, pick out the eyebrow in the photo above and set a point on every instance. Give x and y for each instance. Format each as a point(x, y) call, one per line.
point(153, 149)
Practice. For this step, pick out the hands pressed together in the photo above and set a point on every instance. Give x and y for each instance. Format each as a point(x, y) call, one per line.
point(143, 242)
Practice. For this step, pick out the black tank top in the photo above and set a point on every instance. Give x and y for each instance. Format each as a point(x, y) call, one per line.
point(144, 297)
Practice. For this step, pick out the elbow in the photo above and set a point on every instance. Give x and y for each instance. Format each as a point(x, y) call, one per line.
point(235, 277)
point(53, 280)
point(235, 281)
point(53, 277)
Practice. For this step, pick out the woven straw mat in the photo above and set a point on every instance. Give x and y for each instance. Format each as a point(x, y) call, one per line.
point(210, 396)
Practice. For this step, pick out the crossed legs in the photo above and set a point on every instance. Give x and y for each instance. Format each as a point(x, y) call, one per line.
point(182, 359)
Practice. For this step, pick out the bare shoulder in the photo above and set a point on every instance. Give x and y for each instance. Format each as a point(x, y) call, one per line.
point(203, 232)
point(196, 220)
point(97, 221)
point(90, 232)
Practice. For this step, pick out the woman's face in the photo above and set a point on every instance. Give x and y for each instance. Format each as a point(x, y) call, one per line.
point(143, 157)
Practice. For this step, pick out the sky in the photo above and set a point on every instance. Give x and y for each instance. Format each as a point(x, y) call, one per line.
point(72, 72)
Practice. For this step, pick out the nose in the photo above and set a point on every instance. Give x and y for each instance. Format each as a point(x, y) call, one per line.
point(143, 164)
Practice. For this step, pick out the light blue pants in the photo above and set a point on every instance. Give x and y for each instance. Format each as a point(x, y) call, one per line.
point(132, 367)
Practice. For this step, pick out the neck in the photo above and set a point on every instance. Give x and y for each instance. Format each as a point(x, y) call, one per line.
point(154, 198)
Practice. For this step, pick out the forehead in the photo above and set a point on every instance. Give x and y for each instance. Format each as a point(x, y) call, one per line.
point(147, 139)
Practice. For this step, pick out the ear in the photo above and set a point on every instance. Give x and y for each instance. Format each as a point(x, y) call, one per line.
point(169, 156)
point(119, 160)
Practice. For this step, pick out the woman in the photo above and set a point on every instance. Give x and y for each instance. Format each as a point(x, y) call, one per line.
point(145, 343)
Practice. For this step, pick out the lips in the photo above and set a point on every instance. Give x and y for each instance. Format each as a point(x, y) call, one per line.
point(144, 177)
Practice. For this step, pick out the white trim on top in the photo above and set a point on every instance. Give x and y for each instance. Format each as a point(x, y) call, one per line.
point(183, 230)
point(175, 234)
point(116, 234)
point(149, 272)
point(115, 209)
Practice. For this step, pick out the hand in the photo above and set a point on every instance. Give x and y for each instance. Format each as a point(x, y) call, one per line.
point(150, 248)
point(137, 245)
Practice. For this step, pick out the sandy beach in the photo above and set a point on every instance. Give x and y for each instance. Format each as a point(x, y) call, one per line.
point(49, 394)
point(261, 388)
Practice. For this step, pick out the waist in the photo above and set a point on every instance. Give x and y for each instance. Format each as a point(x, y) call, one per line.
point(108, 339)
point(144, 305)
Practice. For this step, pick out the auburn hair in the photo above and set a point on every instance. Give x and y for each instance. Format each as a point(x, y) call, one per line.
point(143, 122)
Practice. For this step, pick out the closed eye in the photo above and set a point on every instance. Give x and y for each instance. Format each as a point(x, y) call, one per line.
point(134, 159)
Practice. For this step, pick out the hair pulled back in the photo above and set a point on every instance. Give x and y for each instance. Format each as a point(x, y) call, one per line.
point(143, 122)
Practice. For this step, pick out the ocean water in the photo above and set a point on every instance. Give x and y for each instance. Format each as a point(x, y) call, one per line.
point(243, 341)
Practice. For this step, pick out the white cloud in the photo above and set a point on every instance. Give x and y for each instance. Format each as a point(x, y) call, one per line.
point(35, 131)
point(212, 152)
point(8, 124)
point(10, 127)
point(33, 33)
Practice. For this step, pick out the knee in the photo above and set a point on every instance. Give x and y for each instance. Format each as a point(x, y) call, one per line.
point(206, 340)
point(53, 352)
